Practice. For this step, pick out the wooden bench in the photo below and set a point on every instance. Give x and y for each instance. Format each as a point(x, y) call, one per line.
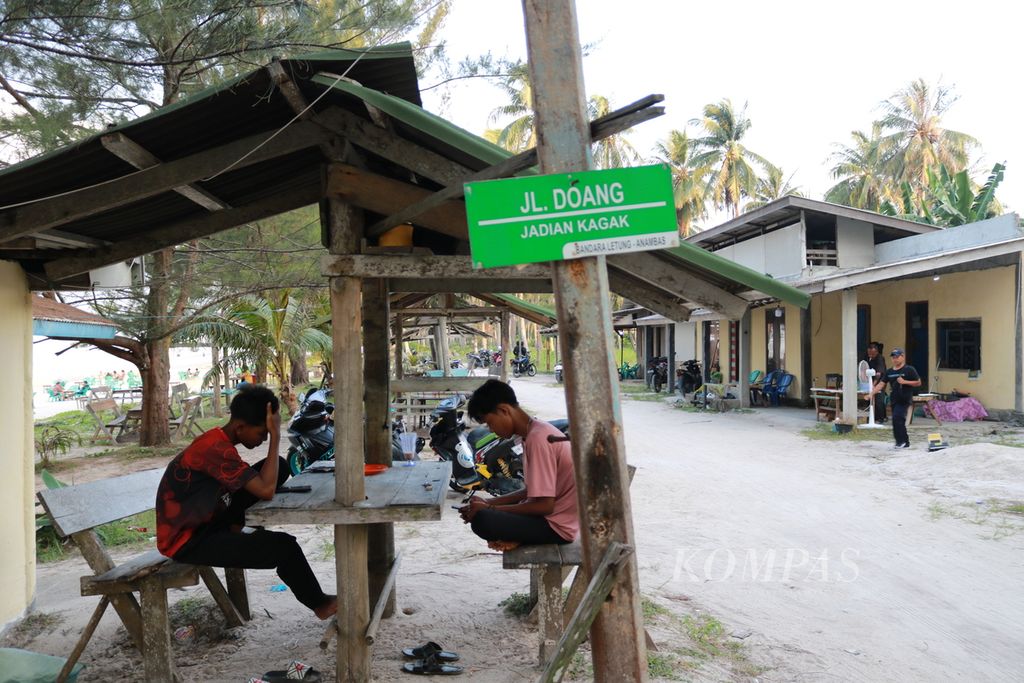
point(76, 511)
point(549, 566)
point(186, 422)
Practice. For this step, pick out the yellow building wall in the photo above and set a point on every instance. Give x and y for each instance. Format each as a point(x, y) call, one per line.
point(794, 347)
point(17, 523)
point(988, 295)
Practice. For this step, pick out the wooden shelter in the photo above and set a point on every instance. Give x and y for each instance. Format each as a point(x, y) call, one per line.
point(345, 130)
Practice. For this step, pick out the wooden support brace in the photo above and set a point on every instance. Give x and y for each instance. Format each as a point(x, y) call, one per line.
point(576, 630)
point(94, 621)
point(382, 600)
point(238, 590)
point(156, 633)
point(221, 597)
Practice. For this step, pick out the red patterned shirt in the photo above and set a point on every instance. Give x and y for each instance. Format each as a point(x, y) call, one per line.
point(196, 488)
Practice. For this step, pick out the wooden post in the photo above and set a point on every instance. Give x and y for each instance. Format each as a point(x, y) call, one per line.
point(506, 349)
point(376, 378)
point(442, 345)
point(585, 331)
point(399, 347)
point(344, 229)
point(849, 346)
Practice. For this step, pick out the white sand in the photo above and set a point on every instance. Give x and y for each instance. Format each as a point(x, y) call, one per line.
point(839, 571)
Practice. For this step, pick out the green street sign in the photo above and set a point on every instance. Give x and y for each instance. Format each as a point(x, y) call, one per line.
point(570, 215)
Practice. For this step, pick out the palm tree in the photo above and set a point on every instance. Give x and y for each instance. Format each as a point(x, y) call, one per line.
point(733, 177)
point(952, 199)
point(863, 173)
point(689, 182)
point(517, 135)
point(915, 138)
point(614, 151)
point(773, 186)
point(265, 330)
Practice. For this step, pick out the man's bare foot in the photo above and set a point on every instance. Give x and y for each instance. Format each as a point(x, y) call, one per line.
point(502, 546)
point(328, 609)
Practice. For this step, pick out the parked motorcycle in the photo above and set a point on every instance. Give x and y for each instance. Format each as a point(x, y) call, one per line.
point(689, 377)
point(480, 460)
point(521, 365)
point(456, 363)
point(558, 372)
point(657, 373)
point(311, 432)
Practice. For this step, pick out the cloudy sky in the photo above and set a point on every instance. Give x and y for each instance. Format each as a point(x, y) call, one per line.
point(810, 72)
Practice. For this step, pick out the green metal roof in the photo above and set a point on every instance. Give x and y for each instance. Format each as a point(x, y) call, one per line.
point(535, 308)
point(710, 265)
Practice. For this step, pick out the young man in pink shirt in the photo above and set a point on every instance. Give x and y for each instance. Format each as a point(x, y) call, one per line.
point(543, 512)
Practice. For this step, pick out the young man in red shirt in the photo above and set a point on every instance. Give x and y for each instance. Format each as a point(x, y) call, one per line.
point(202, 498)
point(543, 512)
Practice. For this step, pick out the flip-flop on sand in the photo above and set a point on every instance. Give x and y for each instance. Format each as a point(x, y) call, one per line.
point(430, 648)
point(430, 666)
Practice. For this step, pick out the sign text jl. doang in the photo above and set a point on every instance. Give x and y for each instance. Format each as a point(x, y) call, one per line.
point(570, 215)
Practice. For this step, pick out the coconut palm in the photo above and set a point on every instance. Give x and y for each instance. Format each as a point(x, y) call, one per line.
point(264, 330)
point(863, 173)
point(774, 185)
point(614, 151)
point(689, 182)
point(914, 137)
point(517, 135)
point(733, 176)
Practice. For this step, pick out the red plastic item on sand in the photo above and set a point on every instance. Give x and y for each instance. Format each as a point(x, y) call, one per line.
point(373, 469)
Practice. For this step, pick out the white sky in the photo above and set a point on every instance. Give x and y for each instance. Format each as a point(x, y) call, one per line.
point(811, 72)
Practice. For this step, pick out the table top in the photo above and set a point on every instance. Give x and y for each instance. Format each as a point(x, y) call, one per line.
point(399, 494)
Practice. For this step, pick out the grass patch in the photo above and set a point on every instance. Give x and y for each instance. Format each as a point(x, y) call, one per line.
point(651, 609)
point(823, 432)
point(517, 605)
point(663, 666)
point(76, 421)
point(1012, 508)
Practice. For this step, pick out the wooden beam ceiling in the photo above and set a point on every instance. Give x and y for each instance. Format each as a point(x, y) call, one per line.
point(425, 267)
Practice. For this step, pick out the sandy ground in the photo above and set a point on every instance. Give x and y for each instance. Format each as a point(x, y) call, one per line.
point(821, 561)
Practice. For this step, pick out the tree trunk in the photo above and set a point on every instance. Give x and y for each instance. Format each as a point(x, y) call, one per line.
point(218, 411)
point(155, 383)
point(300, 372)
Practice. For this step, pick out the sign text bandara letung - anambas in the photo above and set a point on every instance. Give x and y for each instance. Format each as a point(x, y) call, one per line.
point(570, 215)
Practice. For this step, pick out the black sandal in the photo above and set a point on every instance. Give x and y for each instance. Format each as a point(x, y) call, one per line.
point(431, 666)
point(430, 648)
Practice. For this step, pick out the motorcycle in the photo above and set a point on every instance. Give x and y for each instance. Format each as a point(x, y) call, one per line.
point(311, 432)
point(480, 460)
point(480, 359)
point(657, 373)
point(558, 372)
point(689, 377)
point(521, 365)
point(456, 363)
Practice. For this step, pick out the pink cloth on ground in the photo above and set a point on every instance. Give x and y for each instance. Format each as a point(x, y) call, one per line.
point(958, 411)
point(548, 471)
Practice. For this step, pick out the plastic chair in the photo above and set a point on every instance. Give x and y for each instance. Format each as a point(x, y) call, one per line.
point(778, 392)
point(759, 394)
point(754, 376)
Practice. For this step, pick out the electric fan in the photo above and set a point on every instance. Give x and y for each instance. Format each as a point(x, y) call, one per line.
point(864, 376)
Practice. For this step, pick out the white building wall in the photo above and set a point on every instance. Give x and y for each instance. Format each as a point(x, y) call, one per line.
point(686, 342)
point(750, 253)
point(855, 243)
point(783, 251)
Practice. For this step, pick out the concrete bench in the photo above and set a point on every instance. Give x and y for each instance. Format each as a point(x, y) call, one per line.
point(76, 511)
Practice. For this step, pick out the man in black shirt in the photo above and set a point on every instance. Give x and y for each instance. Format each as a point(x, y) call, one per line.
point(877, 363)
point(902, 379)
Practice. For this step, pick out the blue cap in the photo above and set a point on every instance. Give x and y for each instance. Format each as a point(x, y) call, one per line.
point(896, 352)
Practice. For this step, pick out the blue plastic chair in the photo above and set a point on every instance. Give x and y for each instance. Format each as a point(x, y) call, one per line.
point(759, 394)
point(778, 392)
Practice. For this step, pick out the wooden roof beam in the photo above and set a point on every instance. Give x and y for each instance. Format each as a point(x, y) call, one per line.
point(492, 285)
point(521, 311)
point(475, 312)
point(640, 292)
point(181, 231)
point(380, 194)
point(424, 267)
point(648, 267)
point(123, 147)
point(606, 126)
point(88, 201)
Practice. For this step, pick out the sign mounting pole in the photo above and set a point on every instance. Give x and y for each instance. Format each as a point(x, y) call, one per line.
point(585, 332)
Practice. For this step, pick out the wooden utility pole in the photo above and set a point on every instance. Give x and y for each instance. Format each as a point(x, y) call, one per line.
point(585, 330)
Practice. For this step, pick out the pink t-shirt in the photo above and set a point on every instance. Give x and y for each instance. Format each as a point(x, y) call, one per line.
point(548, 471)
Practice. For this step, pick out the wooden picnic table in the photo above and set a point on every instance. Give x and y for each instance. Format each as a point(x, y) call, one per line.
point(399, 494)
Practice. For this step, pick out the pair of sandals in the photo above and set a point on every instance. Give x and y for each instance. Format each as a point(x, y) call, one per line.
point(431, 660)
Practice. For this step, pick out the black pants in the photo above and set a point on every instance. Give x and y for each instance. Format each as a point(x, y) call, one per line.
point(879, 407)
point(899, 427)
point(495, 525)
point(216, 545)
